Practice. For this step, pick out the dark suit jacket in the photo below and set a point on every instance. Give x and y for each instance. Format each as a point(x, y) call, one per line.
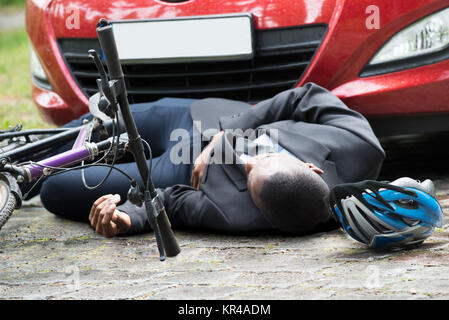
point(312, 124)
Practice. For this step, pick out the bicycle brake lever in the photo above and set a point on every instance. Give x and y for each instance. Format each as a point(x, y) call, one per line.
point(107, 102)
point(104, 77)
point(94, 107)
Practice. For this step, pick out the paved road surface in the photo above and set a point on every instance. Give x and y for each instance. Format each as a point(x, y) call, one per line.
point(44, 257)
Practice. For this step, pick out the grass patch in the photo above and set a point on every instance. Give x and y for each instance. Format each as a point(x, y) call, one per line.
point(16, 104)
point(12, 4)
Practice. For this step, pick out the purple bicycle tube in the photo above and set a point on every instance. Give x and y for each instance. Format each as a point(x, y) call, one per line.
point(80, 151)
point(80, 139)
point(61, 160)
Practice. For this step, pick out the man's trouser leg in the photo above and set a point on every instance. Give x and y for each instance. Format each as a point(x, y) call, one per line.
point(66, 195)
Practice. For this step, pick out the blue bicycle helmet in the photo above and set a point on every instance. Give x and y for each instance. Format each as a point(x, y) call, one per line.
point(385, 215)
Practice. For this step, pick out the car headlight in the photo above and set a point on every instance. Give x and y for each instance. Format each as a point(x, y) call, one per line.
point(424, 36)
point(37, 71)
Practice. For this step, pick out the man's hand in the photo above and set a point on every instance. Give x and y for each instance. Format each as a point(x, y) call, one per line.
point(106, 219)
point(201, 162)
point(199, 166)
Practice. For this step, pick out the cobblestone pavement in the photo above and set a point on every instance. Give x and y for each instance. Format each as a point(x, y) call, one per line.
point(45, 257)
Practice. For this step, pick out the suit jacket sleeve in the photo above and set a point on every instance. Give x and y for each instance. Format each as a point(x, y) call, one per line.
point(185, 206)
point(310, 103)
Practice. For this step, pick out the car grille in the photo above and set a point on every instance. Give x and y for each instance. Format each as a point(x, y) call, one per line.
point(281, 57)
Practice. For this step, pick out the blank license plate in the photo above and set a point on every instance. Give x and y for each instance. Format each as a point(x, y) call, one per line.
point(185, 39)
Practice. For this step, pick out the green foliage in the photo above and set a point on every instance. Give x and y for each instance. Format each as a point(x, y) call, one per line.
point(14, 63)
point(12, 3)
point(15, 88)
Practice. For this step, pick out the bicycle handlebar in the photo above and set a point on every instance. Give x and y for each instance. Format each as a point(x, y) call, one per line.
point(109, 47)
point(157, 217)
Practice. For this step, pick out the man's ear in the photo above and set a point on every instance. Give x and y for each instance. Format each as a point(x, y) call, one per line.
point(249, 166)
point(314, 168)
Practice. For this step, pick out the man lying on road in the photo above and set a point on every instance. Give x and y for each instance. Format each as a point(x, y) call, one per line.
point(306, 141)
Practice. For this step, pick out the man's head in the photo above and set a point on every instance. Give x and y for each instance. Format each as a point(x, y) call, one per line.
point(288, 192)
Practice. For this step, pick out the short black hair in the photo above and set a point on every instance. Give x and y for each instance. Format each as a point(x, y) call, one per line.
point(294, 202)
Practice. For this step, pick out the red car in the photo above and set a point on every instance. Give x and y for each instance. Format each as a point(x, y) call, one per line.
point(388, 60)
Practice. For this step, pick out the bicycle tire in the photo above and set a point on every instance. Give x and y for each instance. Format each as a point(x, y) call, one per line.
point(8, 202)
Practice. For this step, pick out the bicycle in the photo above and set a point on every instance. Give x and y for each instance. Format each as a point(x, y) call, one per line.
point(114, 124)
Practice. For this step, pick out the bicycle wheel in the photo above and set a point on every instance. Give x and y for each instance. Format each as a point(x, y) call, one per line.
point(8, 200)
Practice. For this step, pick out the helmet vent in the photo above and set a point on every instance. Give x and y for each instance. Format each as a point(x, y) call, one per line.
point(407, 204)
point(410, 222)
point(376, 225)
point(357, 225)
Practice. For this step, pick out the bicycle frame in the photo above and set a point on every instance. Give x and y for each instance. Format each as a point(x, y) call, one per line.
point(81, 151)
point(111, 101)
point(40, 145)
